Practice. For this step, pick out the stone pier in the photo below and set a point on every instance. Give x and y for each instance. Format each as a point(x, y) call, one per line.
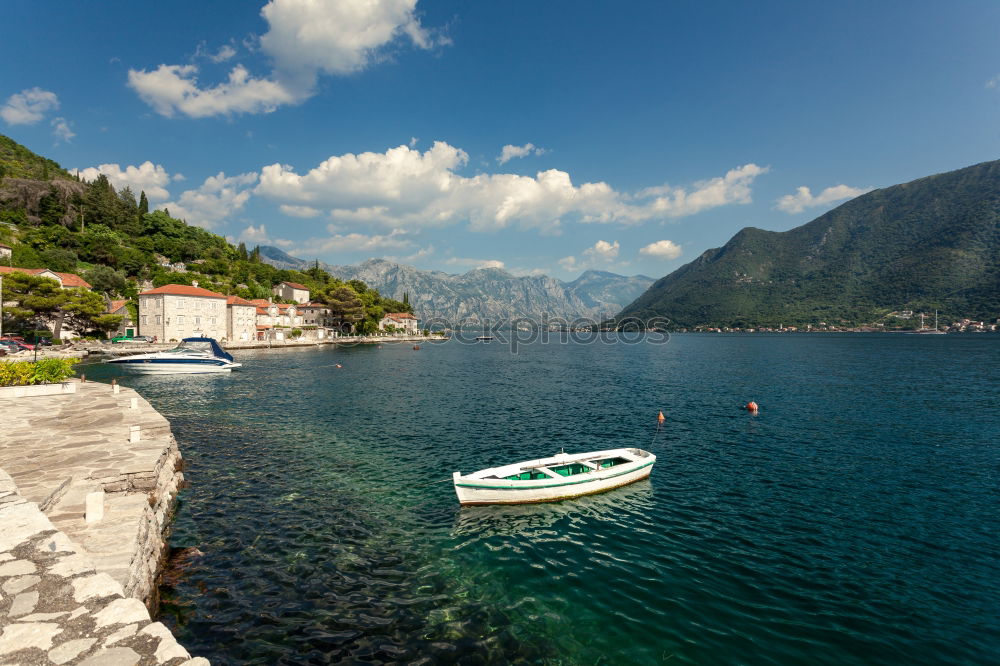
point(85, 497)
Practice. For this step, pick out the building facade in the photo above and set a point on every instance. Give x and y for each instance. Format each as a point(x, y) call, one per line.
point(291, 291)
point(401, 322)
point(177, 311)
point(241, 320)
point(127, 327)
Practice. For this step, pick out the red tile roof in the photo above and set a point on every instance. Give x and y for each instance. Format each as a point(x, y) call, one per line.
point(314, 305)
point(116, 305)
point(236, 300)
point(263, 327)
point(296, 285)
point(261, 303)
point(6, 246)
point(182, 290)
point(67, 279)
point(400, 315)
point(261, 310)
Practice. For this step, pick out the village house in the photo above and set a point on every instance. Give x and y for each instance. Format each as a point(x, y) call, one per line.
point(274, 318)
point(127, 327)
point(401, 322)
point(241, 319)
point(65, 280)
point(178, 311)
point(316, 314)
point(5, 251)
point(291, 291)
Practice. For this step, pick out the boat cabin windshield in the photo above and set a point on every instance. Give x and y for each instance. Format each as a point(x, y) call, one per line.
point(192, 347)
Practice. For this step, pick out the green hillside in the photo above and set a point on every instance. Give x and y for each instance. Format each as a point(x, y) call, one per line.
point(114, 241)
point(930, 244)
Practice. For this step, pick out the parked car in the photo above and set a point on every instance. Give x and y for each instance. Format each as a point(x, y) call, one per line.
point(13, 346)
point(135, 338)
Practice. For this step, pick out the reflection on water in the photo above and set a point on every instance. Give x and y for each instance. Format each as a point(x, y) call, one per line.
point(474, 523)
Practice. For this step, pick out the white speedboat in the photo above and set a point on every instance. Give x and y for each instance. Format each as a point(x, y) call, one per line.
point(561, 476)
point(192, 355)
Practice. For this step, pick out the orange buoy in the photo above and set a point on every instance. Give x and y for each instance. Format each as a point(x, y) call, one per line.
point(752, 407)
point(338, 366)
point(660, 418)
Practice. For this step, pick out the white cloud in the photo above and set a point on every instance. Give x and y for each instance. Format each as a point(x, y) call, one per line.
point(300, 211)
point(355, 242)
point(28, 106)
point(603, 251)
point(61, 130)
point(664, 249)
point(465, 262)
point(218, 198)
point(803, 197)
point(403, 187)
point(254, 235)
point(174, 88)
point(569, 264)
point(148, 177)
point(510, 152)
point(305, 38)
point(994, 82)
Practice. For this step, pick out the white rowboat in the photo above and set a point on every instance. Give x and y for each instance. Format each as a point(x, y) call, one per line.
point(558, 477)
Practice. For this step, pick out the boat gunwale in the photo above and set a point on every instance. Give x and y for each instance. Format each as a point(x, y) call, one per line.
point(541, 484)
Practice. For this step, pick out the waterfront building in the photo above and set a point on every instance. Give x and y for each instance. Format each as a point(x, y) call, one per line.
point(316, 314)
point(178, 311)
point(127, 327)
point(291, 291)
point(400, 321)
point(273, 318)
point(65, 280)
point(241, 319)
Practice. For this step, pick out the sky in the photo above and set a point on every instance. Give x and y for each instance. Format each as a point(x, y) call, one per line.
point(540, 137)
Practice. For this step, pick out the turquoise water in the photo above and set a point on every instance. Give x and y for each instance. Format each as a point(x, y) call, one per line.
point(854, 520)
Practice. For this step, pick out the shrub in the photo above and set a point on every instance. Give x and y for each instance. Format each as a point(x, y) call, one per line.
point(46, 371)
point(296, 332)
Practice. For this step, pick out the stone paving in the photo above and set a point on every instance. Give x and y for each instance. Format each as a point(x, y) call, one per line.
point(84, 501)
point(55, 608)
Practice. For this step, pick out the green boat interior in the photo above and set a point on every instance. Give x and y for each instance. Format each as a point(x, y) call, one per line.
point(569, 469)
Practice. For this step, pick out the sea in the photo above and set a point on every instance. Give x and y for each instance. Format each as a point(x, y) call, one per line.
point(854, 519)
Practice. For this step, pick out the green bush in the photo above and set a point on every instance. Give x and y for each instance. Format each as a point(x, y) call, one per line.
point(46, 371)
point(296, 332)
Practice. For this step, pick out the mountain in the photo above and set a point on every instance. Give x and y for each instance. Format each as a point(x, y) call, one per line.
point(933, 243)
point(483, 295)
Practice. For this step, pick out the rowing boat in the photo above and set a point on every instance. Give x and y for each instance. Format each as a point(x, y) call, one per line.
point(558, 477)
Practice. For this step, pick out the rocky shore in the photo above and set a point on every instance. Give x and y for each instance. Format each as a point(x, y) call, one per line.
point(87, 483)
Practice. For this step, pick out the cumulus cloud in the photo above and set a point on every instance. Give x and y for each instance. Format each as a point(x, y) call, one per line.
point(355, 242)
point(305, 39)
point(147, 177)
point(254, 235)
point(28, 106)
point(174, 88)
point(405, 188)
point(600, 253)
point(510, 152)
point(465, 262)
point(225, 52)
point(61, 130)
point(218, 198)
point(300, 211)
point(664, 249)
point(803, 197)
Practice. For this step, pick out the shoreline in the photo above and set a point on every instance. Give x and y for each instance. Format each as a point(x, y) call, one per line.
point(95, 472)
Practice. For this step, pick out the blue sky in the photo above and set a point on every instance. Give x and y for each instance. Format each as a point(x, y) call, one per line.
point(545, 137)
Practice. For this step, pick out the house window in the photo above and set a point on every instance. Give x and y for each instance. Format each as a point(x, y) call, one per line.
point(159, 319)
point(180, 320)
point(197, 321)
point(143, 318)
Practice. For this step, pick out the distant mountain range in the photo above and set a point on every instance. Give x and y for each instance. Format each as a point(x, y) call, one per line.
point(487, 295)
point(930, 244)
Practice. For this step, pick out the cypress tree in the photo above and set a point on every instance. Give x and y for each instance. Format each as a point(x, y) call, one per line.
point(143, 203)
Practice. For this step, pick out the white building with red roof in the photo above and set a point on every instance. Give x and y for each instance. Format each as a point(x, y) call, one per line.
point(241, 319)
point(127, 327)
point(403, 322)
point(178, 311)
point(292, 291)
point(65, 280)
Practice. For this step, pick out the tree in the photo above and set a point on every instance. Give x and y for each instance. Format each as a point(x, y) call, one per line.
point(143, 203)
point(241, 251)
point(106, 280)
point(33, 300)
point(345, 305)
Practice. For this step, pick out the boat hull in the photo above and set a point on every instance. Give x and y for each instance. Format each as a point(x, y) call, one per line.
point(472, 491)
point(157, 367)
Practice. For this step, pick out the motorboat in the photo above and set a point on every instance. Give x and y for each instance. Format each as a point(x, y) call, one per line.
point(558, 477)
point(192, 355)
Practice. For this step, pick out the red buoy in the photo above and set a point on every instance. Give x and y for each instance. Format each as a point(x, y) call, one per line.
point(660, 418)
point(752, 407)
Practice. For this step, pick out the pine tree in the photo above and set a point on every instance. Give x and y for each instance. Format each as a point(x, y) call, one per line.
point(143, 203)
point(241, 250)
